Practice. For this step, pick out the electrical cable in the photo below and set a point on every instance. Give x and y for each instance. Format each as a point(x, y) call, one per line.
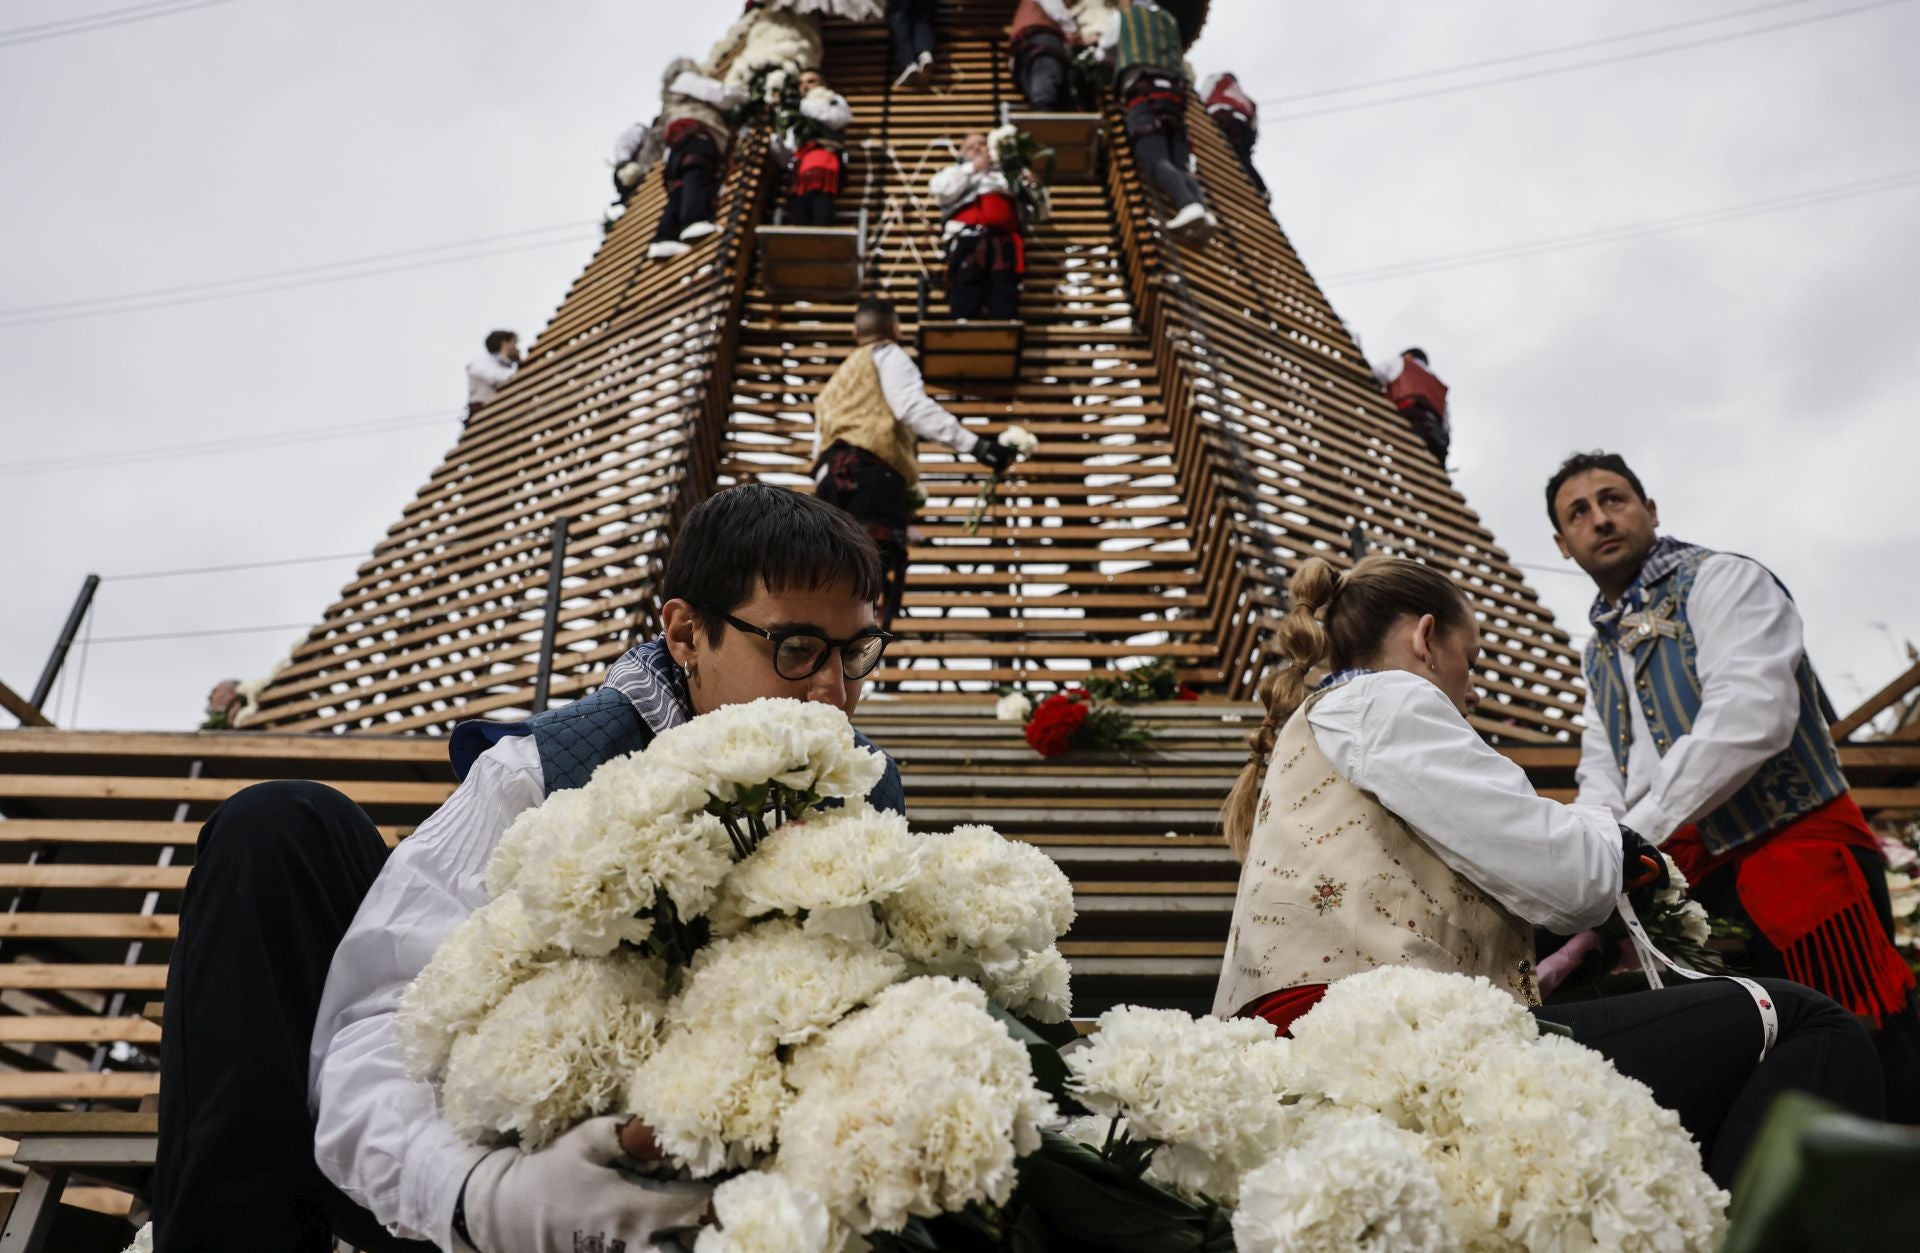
point(135, 306)
point(106, 19)
point(1897, 181)
point(238, 443)
point(192, 635)
point(1618, 58)
point(244, 565)
point(1625, 36)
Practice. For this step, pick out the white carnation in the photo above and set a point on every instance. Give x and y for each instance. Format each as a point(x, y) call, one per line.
point(1196, 1086)
point(530, 829)
point(760, 1212)
point(980, 900)
point(778, 985)
point(1038, 986)
point(1019, 438)
point(713, 1102)
point(1676, 889)
point(555, 1050)
point(142, 1240)
point(1693, 922)
point(474, 967)
point(593, 887)
point(1013, 707)
point(840, 859)
point(736, 749)
point(918, 1104)
point(1345, 1182)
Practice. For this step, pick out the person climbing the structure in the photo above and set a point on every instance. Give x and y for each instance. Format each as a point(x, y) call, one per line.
point(1417, 392)
point(694, 109)
point(910, 29)
point(868, 422)
point(818, 141)
point(489, 372)
point(1143, 43)
point(985, 252)
point(1234, 114)
point(1040, 40)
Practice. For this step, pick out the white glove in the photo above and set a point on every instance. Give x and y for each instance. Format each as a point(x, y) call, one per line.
point(568, 1196)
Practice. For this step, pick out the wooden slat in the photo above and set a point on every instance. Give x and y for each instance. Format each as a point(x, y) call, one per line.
point(66, 1085)
point(71, 1029)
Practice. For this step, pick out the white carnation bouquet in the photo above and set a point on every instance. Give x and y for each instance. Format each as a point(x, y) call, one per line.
point(1023, 443)
point(720, 937)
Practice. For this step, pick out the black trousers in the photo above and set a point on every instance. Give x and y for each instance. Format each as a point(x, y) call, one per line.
point(279, 872)
point(812, 208)
point(1040, 69)
point(856, 481)
point(1898, 1039)
point(692, 170)
point(910, 26)
point(982, 280)
point(1162, 146)
point(1240, 136)
point(1695, 1046)
point(1433, 432)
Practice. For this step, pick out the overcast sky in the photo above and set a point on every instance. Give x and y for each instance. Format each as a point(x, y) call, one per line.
point(1758, 367)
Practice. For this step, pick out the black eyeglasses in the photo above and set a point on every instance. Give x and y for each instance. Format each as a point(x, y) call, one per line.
point(800, 653)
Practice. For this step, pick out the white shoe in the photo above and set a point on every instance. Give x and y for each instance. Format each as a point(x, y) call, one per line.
point(916, 74)
point(1188, 221)
point(665, 249)
point(697, 230)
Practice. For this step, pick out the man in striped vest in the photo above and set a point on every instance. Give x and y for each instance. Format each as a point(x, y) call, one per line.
point(1706, 732)
point(1143, 44)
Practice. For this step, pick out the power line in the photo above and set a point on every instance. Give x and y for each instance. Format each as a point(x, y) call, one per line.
point(1640, 54)
point(194, 635)
point(1898, 181)
point(244, 565)
point(1464, 66)
point(105, 20)
point(294, 272)
point(237, 443)
point(136, 306)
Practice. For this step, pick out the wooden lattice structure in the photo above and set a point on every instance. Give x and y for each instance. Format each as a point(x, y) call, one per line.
point(1206, 421)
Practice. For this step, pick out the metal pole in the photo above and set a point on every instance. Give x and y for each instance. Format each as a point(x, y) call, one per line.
point(58, 658)
point(544, 678)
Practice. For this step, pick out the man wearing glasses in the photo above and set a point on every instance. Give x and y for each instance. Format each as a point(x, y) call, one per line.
point(285, 1106)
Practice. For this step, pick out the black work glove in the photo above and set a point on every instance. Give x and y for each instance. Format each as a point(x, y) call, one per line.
point(1643, 868)
point(994, 455)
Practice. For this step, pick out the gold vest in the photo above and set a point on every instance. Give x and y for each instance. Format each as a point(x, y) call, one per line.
point(1334, 884)
point(852, 407)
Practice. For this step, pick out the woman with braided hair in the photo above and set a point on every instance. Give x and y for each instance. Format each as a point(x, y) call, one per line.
point(1376, 827)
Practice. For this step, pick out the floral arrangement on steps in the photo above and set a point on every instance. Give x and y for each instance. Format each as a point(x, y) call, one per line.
point(858, 1034)
point(1155, 680)
point(1023, 443)
point(1091, 716)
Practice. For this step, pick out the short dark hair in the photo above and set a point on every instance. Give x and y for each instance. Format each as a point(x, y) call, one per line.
point(753, 534)
point(872, 316)
point(495, 339)
point(1580, 463)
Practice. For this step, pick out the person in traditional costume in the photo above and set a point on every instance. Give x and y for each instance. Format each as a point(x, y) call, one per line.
point(1235, 115)
point(986, 252)
point(868, 423)
point(910, 29)
point(1143, 44)
point(1417, 392)
point(1706, 731)
point(489, 372)
point(1375, 827)
point(635, 152)
point(696, 132)
point(1040, 40)
point(818, 144)
point(287, 1115)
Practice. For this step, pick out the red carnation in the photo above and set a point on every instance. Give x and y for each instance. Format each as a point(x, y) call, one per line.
point(1186, 693)
point(1051, 728)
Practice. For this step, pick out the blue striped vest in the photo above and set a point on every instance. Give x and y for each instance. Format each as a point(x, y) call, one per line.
point(1149, 40)
point(1800, 779)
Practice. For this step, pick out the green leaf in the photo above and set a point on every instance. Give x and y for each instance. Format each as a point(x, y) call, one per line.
point(1821, 1181)
point(1088, 1203)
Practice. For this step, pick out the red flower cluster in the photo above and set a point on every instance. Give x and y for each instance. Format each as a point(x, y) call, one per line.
point(1053, 723)
point(1186, 693)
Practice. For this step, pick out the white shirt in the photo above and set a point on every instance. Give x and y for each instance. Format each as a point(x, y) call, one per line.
point(1062, 16)
point(1749, 640)
point(627, 147)
point(379, 1136)
point(1397, 736)
point(486, 375)
point(906, 395)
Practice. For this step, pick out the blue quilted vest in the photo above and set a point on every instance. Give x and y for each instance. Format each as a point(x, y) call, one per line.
point(1793, 783)
point(574, 739)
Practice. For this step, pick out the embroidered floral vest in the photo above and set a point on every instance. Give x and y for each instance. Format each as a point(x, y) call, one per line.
point(852, 407)
point(1795, 782)
point(1334, 884)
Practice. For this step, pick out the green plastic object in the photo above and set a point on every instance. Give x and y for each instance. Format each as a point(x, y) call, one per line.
point(1823, 1181)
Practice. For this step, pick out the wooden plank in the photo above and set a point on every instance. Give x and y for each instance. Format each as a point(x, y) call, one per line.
point(76, 1029)
point(21, 708)
point(25, 924)
point(35, 976)
point(1880, 701)
point(82, 1085)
